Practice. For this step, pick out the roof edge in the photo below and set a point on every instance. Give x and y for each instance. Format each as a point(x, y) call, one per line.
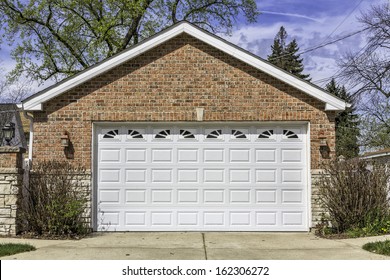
point(34, 102)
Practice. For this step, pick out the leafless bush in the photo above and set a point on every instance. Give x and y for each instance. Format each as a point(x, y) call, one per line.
point(55, 200)
point(355, 193)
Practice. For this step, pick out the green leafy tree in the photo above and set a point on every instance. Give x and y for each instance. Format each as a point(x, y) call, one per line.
point(347, 123)
point(285, 55)
point(58, 38)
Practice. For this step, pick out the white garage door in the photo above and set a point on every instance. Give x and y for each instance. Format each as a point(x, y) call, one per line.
point(226, 177)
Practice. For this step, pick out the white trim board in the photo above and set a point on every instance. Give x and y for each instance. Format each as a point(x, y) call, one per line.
point(35, 102)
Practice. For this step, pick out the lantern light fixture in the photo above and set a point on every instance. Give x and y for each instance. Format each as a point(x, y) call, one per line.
point(65, 139)
point(9, 132)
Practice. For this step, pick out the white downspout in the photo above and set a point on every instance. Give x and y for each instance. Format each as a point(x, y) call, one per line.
point(30, 143)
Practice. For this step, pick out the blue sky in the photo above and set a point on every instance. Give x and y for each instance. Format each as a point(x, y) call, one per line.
point(311, 22)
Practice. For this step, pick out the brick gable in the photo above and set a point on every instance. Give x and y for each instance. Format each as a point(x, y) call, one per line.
point(167, 84)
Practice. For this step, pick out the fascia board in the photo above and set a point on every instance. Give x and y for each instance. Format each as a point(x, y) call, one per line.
point(332, 103)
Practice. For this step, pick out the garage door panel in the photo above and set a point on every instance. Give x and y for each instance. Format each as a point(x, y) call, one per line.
point(240, 175)
point(136, 176)
point(162, 196)
point(266, 176)
point(195, 178)
point(161, 218)
point(138, 218)
point(188, 218)
point(110, 175)
point(161, 176)
point(188, 176)
point(240, 155)
point(266, 196)
point(214, 218)
point(292, 218)
point(265, 155)
point(214, 155)
point(214, 176)
point(188, 196)
point(266, 218)
point(240, 196)
point(138, 155)
point(136, 196)
point(109, 196)
point(162, 155)
point(186, 155)
point(240, 218)
point(110, 218)
point(110, 155)
point(214, 196)
point(292, 175)
point(292, 155)
point(292, 196)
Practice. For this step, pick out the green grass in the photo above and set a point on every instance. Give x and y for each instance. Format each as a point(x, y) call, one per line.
point(380, 247)
point(7, 249)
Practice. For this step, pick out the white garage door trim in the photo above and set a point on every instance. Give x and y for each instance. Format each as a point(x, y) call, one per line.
point(234, 215)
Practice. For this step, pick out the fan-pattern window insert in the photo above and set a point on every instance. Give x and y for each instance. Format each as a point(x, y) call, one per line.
point(186, 134)
point(163, 134)
point(111, 134)
point(266, 134)
point(134, 134)
point(238, 134)
point(290, 134)
point(216, 134)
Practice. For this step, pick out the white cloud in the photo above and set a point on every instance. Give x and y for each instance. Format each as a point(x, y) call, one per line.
point(309, 33)
point(290, 15)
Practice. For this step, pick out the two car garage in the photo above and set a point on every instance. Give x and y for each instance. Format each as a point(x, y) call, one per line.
point(202, 176)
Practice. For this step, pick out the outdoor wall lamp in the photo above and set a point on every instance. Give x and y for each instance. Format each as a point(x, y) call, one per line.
point(9, 132)
point(324, 147)
point(65, 139)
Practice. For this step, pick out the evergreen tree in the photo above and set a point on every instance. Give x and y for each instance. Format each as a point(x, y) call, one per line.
point(347, 122)
point(286, 55)
point(277, 56)
point(294, 63)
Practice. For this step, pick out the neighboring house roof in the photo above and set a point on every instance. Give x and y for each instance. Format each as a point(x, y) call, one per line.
point(332, 103)
point(10, 113)
point(377, 154)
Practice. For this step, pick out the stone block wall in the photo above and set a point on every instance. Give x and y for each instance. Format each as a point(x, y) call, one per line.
point(11, 182)
point(316, 209)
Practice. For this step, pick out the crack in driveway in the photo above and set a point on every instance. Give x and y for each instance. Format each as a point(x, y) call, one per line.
point(204, 246)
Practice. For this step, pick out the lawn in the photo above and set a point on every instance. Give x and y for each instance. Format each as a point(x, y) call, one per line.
point(7, 249)
point(380, 247)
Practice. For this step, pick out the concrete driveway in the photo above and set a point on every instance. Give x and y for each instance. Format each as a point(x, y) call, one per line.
point(199, 246)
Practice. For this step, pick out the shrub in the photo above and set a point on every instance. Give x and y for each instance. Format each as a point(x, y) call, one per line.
point(355, 195)
point(55, 200)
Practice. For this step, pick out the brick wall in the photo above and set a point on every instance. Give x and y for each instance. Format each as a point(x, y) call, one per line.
point(168, 83)
point(11, 181)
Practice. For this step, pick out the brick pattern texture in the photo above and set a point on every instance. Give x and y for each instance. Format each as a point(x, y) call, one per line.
point(168, 83)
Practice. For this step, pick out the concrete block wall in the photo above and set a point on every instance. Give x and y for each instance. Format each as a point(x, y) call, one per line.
point(11, 182)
